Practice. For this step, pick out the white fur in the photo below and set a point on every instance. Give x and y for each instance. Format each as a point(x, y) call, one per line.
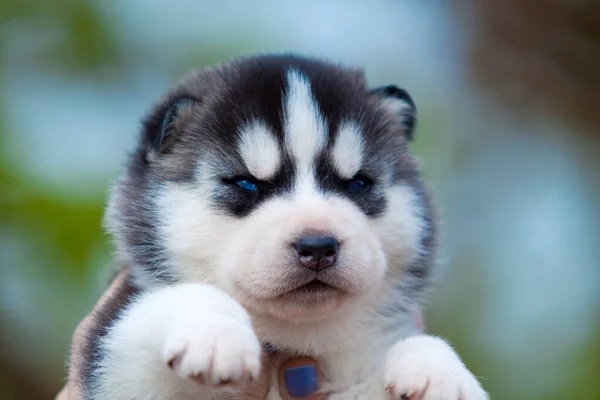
point(255, 267)
point(249, 258)
point(250, 265)
point(428, 367)
point(200, 327)
point(238, 269)
point(304, 126)
point(400, 229)
point(256, 263)
point(305, 131)
point(259, 150)
point(348, 150)
point(184, 219)
point(209, 333)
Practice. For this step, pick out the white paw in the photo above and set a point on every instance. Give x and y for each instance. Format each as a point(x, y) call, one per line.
point(215, 349)
point(427, 368)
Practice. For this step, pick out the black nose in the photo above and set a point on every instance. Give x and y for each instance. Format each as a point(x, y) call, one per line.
point(317, 252)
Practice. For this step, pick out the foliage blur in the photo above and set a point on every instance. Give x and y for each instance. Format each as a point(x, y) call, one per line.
point(518, 184)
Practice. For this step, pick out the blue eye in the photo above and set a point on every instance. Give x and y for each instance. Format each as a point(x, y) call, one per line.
point(357, 185)
point(247, 184)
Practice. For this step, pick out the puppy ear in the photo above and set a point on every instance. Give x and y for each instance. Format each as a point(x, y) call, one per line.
point(399, 102)
point(163, 126)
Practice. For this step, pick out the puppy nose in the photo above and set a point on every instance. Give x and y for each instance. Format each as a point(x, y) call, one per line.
point(317, 252)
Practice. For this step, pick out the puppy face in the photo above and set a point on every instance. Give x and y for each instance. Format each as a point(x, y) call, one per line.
point(284, 181)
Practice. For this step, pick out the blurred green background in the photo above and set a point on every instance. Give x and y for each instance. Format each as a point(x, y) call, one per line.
point(509, 136)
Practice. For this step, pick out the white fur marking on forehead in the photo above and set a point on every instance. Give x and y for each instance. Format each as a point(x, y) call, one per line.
point(348, 150)
point(304, 126)
point(259, 150)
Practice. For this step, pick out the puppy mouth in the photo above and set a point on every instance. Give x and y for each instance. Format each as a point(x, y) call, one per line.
point(313, 291)
point(310, 299)
point(314, 286)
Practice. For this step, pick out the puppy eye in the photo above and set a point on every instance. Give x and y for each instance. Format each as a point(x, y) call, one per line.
point(358, 184)
point(247, 184)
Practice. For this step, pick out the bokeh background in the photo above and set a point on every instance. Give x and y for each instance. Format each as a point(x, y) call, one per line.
point(509, 101)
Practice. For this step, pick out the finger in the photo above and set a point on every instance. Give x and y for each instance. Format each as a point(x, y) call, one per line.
point(299, 379)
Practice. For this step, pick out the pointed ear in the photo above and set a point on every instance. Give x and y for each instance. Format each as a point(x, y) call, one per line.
point(163, 126)
point(399, 102)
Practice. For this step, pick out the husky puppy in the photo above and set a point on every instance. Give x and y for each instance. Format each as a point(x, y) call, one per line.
point(273, 200)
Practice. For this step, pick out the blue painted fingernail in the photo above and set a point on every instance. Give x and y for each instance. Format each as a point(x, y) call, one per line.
point(301, 381)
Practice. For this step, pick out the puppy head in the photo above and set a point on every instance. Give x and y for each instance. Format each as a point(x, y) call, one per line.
point(283, 180)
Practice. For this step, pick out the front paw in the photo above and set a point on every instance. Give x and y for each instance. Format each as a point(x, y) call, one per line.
point(216, 350)
point(427, 368)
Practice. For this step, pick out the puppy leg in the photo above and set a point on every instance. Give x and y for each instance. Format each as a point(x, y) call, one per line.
point(177, 342)
point(426, 367)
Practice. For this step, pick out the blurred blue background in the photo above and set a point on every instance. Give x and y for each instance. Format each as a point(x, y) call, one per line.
point(509, 136)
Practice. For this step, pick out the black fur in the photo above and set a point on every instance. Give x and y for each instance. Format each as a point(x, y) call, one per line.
point(236, 94)
point(409, 116)
point(198, 122)
point(167, 132)
point(101, 323)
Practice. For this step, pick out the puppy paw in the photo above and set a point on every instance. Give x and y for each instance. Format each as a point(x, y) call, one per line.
point(427, 368)
point(214, 349)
